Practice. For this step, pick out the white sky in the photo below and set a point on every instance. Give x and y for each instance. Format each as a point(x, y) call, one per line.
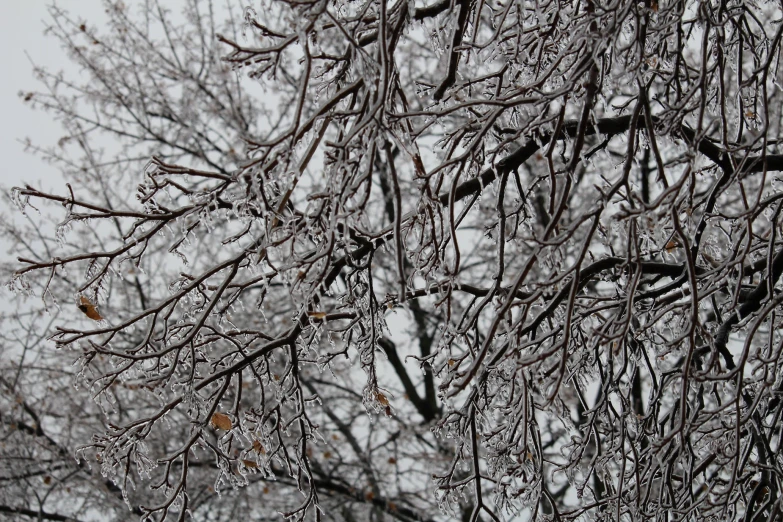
point(21, 34)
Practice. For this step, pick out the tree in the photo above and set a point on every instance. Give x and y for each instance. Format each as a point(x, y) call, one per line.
point(476, 260)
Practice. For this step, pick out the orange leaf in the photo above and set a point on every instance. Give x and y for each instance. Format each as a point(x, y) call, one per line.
point(221, 421)
point(86, 306)
point(317, 315)
point(257, 447)
point(382, 399)
point(250, 464)
point(672, 245)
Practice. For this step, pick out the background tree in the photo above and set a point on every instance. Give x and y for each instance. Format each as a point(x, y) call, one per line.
point(483, 260)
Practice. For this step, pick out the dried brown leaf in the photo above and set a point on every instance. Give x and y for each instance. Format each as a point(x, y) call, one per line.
point(89, 309)
point(221, 421)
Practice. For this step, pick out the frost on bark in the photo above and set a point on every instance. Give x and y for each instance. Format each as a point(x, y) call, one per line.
point(367, 260)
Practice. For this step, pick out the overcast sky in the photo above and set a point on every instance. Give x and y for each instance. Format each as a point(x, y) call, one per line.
point(21, 34)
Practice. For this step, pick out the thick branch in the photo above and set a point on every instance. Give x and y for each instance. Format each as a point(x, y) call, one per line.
point(36, 515)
